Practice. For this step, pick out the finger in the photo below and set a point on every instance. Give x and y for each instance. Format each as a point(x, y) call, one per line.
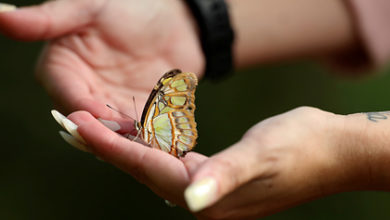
point(192, 162)
point(223, 173)
point(162, 172)
point(48, 20)
point(119, 125)
point(7, 7)
point(73, 137)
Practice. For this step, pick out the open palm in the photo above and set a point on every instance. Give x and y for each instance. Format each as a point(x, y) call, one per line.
point(104, 52)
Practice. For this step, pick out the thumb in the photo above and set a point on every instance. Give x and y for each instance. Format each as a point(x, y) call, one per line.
point(223, 173)
point(48, 20)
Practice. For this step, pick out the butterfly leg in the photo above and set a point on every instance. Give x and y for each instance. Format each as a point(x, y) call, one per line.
point(138, 133)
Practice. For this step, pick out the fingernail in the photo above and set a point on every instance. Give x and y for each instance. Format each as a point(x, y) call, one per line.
point(112, 125)
point(73, 141)
point(7, 7)
point(99, 159)
point(72, 129)
point(201, 194)
point(169, 203)
point(58, 117)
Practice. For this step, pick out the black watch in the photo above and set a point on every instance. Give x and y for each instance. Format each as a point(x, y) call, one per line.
point(216, 35)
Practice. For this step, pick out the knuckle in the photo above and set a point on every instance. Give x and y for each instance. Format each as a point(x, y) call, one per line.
point(134, 167)
point(137, 170)
point(306, 109)
point(222, 164)
point(226, 169)
point(311, 114)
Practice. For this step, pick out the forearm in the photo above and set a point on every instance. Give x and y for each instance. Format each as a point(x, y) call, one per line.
point(271, 30)
point(347, 152)
point(368, 143)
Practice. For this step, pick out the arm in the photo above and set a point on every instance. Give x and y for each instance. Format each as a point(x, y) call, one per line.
point(369, 135)
point(272, 30)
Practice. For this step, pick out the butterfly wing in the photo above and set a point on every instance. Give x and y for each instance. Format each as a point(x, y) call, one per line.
point(168, 121)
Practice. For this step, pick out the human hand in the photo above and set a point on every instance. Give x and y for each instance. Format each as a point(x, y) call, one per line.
point(280, 162)
point(166, 175)
point(106, 51)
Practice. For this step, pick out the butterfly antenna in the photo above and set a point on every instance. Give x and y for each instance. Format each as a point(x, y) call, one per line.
point(116, 110)
point(135, 108)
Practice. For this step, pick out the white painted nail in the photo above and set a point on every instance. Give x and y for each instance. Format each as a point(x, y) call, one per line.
point(112, 125)
point(169, 203)
point(201, 194)
point(7, 7)
point(72, 129)
point(73, 141)
point(58, 117)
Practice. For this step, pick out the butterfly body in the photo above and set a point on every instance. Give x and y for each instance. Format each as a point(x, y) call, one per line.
point(167, 121)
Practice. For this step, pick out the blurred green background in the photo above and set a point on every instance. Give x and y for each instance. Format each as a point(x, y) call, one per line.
point(42, 177)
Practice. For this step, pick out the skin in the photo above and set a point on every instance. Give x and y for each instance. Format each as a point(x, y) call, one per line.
point(92, 59)
point(95, 59)
point(274, 30)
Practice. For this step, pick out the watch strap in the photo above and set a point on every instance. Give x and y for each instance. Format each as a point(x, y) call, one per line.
point(216, 35)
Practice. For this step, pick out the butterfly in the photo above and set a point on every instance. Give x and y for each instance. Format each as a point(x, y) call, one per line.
point(168, 121)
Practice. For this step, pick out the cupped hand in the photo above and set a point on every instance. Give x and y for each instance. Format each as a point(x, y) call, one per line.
point(106, 51)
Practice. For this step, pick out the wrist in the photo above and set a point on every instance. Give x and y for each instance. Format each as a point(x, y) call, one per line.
point(348, 171)
point(338, 163)
point(368, 138)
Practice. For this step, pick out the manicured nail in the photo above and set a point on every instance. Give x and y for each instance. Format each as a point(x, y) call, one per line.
point(73, 141)
point(169, 203)
point(7, 7)
point(72, 129)
point(201, 194)
point(112, 125)
point(58, 117)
